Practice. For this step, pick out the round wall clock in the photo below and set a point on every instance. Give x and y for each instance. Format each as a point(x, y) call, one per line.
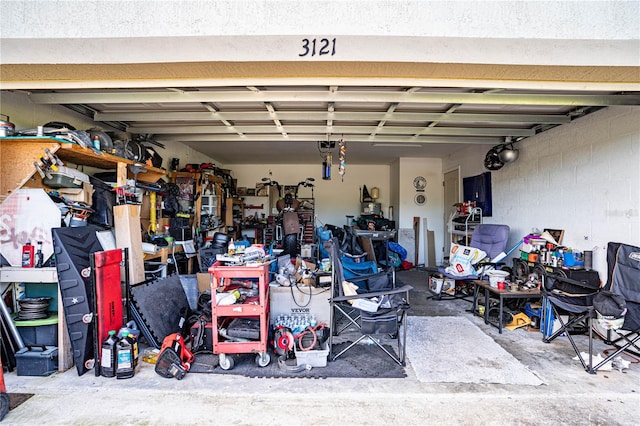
point(419, 183)
point(420, 199)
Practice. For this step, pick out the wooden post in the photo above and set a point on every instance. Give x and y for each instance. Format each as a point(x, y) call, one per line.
point(126, 219)
point(416, 233)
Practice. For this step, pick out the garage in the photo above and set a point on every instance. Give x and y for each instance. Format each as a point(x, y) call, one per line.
point(416, 103)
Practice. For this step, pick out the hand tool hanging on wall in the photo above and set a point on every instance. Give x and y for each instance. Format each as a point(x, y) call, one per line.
point(42, 172)
point(53, 158)
point(48, 164)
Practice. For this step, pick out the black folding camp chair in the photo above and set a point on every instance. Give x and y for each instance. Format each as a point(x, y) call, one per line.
point(371, 304)
point(582, 300)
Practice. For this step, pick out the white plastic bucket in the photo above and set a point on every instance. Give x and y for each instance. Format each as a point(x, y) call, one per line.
point(496, 276)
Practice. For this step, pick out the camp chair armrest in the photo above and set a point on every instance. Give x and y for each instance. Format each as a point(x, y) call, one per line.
point(559, 278)
point(368, 276)
point(496, 265)
point(354, 256)
point(403, 289)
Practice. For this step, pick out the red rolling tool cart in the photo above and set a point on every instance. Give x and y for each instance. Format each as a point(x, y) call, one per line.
point(253, 311)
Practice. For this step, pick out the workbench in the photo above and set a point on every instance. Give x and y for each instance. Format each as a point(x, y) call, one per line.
point(163, 254)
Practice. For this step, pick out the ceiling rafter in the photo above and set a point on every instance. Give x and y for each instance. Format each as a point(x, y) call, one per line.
point(214, 111)
point(235, 123)
point(331, 114)
point(434, 123)
point(338, 96)
point(322, 129)
point(381, 123)
point(274, 117)
point(355, 139)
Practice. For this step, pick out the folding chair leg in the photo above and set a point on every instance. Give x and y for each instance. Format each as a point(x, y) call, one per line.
point(351, 321)
point(630, 343)
point(564, 329)
point(350, 346)
point(391, 355)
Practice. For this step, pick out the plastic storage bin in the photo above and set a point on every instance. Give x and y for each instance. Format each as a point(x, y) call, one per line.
point(316, 358)
point(39, 332)
point(570, 260)
point(66, 178)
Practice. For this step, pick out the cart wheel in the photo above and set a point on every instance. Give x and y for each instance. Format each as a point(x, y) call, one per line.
point(226, 362)
point(263, 359)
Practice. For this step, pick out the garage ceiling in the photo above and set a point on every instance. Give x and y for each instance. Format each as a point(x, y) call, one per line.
point(285, 124)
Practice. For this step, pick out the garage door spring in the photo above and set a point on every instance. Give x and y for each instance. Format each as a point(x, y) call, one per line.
point(32, 308)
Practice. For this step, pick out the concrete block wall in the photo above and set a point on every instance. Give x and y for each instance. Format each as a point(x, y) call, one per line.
point(583, 177)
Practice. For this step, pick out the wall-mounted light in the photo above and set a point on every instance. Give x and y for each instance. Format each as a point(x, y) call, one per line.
point(500, 155)
point(508, 154)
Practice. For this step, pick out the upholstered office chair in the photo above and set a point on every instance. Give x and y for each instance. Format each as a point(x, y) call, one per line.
point(581, 300)
point(490, 239)
point(370, 304)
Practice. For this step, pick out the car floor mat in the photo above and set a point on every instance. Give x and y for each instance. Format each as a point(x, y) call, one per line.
point(159, 304)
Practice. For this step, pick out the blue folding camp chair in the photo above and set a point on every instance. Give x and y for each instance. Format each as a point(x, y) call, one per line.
point(376, 307)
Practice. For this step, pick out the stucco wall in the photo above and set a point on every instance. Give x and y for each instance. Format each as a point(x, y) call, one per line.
point(501, 32)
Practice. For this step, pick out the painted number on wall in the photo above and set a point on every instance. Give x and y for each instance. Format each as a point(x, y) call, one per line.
point(319, 47)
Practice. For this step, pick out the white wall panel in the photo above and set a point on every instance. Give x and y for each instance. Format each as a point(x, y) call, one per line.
point(334, 198)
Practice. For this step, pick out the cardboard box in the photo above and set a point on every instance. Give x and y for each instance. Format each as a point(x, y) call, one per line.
point(442, 285)
point(311, 267)
point(303, 300)
point(81, 195)
point(204, 281)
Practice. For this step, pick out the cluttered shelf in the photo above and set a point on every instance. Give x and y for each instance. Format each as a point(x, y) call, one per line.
point(22, 153)
point(33, 280)
point(84, 156)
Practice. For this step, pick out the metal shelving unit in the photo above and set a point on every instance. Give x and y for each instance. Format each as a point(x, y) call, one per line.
point(461, 227)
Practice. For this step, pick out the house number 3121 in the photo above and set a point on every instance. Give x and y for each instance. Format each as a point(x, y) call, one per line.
point(320, 47)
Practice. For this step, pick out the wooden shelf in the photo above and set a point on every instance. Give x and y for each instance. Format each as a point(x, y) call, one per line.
point(17, 155)
point(16, 160)
point(77, 155)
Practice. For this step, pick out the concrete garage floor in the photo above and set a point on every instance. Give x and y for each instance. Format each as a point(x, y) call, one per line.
point(569, 395)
